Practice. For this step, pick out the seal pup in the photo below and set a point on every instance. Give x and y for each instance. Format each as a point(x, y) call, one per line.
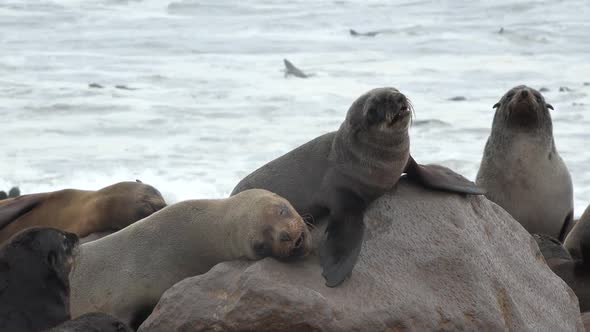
point(521, 169)
point(290, 69)
point(573, 269)
point(92, 322)
point(81, 212)
point(337, 175)
point(34, 285)
point(124, 274)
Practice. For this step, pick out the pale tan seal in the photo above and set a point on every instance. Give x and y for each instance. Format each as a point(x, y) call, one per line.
point(521, 169)
point(124, 274)
point(82, 212)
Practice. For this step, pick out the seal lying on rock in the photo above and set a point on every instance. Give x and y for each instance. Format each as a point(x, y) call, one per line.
point(34, 285)
point(340, 173)
point(521, 169)
point(81, 212)
point(124, 274)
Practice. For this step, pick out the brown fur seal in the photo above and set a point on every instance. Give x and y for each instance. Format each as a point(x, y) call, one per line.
point(124, 274)
point(521, 170)
point(93, 322)
point(340, 173)
point(81, 212)
point(579, 235)
point(574, 270)
point(34, 286)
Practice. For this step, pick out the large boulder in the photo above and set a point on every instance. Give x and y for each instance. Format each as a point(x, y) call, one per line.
point(430, 261)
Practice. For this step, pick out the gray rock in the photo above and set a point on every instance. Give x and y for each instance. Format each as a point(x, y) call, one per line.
point(430, 261)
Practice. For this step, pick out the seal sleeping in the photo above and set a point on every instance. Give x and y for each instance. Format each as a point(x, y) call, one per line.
point(34, 286)
point(521, 169)
point(124, 274)
point(82, 212)
point(337, 175)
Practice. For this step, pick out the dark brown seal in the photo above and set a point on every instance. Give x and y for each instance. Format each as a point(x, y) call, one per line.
point(81, 212)
point(337, 175)
point(521, 169)
point(34, 284)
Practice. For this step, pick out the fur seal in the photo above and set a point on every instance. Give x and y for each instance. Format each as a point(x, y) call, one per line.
point(337, 175)
point(573, 269)
point(81, 212)
point(34, 286)
point(290, 69)
point(521, 169)
point(92, 322)
point(124, 274)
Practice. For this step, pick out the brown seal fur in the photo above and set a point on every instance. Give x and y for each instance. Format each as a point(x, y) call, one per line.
point(125, 273)
point(81, 212)
point(521, 169)
point(34, 285)
point(337, 175)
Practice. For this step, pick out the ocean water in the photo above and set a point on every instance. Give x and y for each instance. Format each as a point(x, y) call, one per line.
point(210, 101)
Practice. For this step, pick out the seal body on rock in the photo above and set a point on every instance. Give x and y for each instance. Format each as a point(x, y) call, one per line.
point(93, 322)
point(124, 274)
point(81, 212)
point(521, 169)
point(337, 175)
point(34, 285)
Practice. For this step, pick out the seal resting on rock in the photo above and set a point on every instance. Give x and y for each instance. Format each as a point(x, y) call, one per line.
point(124, 274)
point(337, 175)
point(93, 322)
point(34, 285)
point(81, 212)
point(521, 169)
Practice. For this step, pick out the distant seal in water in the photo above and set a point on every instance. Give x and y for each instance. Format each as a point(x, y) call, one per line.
point(290, 69)
point(337, 175)
point(521, 169)
point(81, 212)
point(572, 267)
point(124, 274)
point(93, 322)
point(34, 286)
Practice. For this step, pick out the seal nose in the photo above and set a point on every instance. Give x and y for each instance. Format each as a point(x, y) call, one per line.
point(524, 93)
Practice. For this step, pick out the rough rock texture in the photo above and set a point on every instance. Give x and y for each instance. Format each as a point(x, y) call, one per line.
point(430, 261)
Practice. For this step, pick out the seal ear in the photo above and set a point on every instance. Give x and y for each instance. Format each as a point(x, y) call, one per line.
point(496, 105)
point(550, 106)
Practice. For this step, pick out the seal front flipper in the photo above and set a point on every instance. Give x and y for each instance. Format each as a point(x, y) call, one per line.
point(341, 247)
point(12, 209)
point(441, 178)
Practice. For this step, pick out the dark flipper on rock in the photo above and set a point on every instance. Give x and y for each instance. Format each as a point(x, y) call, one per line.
point(441, 178)
point(14, 208)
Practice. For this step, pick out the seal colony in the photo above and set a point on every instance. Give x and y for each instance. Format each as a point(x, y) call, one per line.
point(337, 175)
point(124, 274)
point(82, 212)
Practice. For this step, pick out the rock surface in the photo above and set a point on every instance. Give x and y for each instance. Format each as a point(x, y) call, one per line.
point(430, 261)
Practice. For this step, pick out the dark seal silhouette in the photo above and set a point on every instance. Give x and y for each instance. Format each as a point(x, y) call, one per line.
point(337, 175)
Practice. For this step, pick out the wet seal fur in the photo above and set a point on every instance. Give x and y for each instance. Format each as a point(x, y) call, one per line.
point(124, 274)
point(93, 322)
point(81, 212)
point(337, 175)
point(521, 169)
point(34, 285)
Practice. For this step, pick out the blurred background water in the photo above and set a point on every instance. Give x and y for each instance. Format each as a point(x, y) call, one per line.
point(210, 102)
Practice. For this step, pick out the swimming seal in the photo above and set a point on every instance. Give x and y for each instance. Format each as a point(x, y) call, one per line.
point(125, 273)
point(337, 175)
point(81, 212)
point(34, 285)
point(521, 169)
point(93, 322)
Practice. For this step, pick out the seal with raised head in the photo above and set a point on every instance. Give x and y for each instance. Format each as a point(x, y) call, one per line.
point(337, 175)
point(125, 273)
point(34, 285)
point(521, 169)
point(82, 212)
point(92, 322)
